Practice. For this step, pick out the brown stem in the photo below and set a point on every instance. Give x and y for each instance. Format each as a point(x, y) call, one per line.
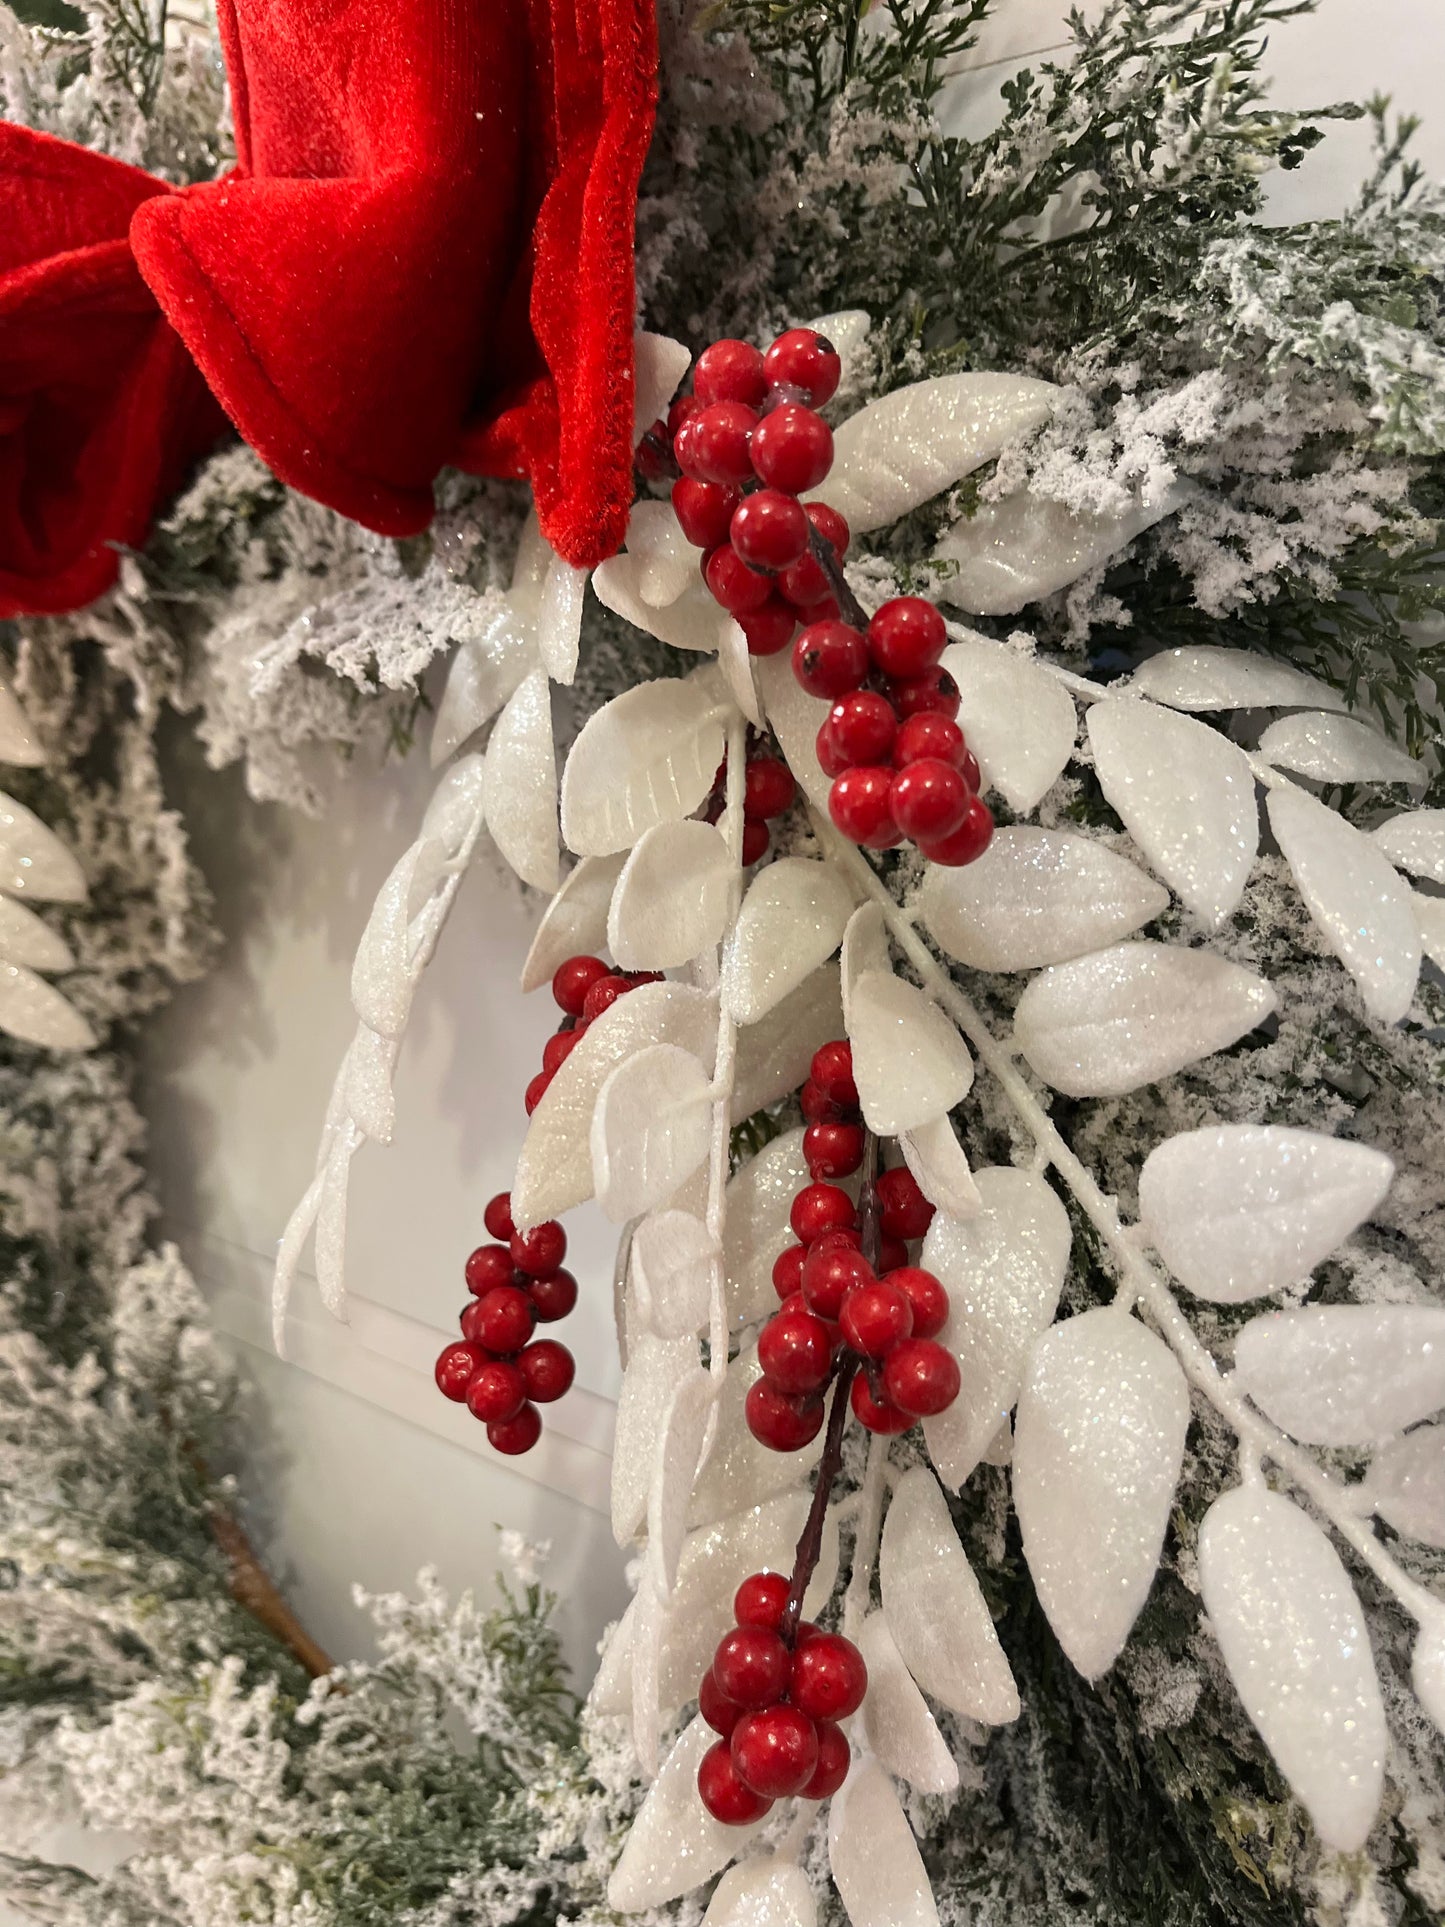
point(826, 557)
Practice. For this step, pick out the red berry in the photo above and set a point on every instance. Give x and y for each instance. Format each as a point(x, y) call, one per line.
point(649, 453)
point(818, 1107)
point(557, 1049)
point(547, 1369)
point(455, 1369)
point(775, 1751)
point(516, 1435)
point(760, 1599)
point(832, 1071)
point(751, 1666)
point(830, 1276)
point(921, 1376)
point(834, 1759)
point(833, 1150)
point(845, 1238)
point(497, 1393)
point(732, 583)
point(930, 735)
point(805, 585)
point(930, 799)
point(967, 843)
point(503, 1319)
point(498, 1216)
point(828, 1678)
point(603, 993)
point(572, 981)
point(861, 729)
point(536, 1091)
point(892, 1252)
point(704, 511)
point(722, 1792)
point(791, 449)
point(875, 1317)
point(730, 371)
point(552, 1298)
point(806, 362)
point(830, 659)
point(489, 1265)
point(788, 1270)
point(906, 636)
point(768, 787)
point(769, 530)
point(795, 1352)
point(885, 1418)
point(540, 1251)
point(830, 525)
point(683, 407)
point(933, 692)
point(819, 1208)
point(903, 1209)
point(471, 1329)
point(715, 1706)
point(712, 445)
point(755, 840)
point(861, 806)
point(769, 630)
point(969, 770)
point(782, 1423)
point(926, 1296)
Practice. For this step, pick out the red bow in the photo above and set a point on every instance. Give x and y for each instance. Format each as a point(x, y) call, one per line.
point(423, 256)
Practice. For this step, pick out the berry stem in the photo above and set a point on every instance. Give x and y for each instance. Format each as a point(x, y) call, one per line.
point(661, 453)
point(826, 556)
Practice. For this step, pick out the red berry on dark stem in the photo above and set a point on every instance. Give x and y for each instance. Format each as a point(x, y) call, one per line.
point(892, 1252)
point(540, 1251)
point(456, 1368)
point(552, 1298)
point(516, 1435)
point(834, 1759)
point(795, 1352)
point(723, 1793)
point(806, 361)
point(845, 1238)
point(775, 1751)
point(885, 1418)
point(712, 445)
point(875, 1317)
point(715, 1706)
point(969, 770)
point(769, 530)
point(906, 636)
point(751, 1666)
point(536, 1091)
point(503, 1319)
point(833, 1150)
point(805, 584)
point(860, 728)
point(830, 1277)
point(788, 1270)
point(930, 735)
point(828, 1678)
point(819, 1208)
point(933, 692)
point(921, 1376)
point(830, 659)
point(732, 583)
point(557, 1049)
point(760, 1599)
point(730, 371)
point(489, 1265)
point(967, 843)
point(498, 1216)
point(683, 407)
point(704, 511)
point(497, 1393)
point(861, 806)
point(903, 1209)
point(832, 1071)
point(768, 787)
point(769, 630)
point(547, 1369)
point(791, 449)
point(649, 458)
point(930, 799)
point(830, 525)
point(782, 1423)
point(573, 979)
point(603, 993)
point(818, 1107)
point(755, 840)
point(926, 1296)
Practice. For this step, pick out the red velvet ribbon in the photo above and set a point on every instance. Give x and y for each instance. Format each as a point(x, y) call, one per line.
point(424, 256)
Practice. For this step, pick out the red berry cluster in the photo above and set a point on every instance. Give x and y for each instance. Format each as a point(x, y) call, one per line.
point(497, 1370)
point(768, 791)
point(583, 988)
point(839, 1309)
point(777, 1706)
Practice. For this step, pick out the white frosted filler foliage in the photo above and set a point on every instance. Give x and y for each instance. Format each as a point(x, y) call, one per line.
point(1338, 749)
point(574, 924)
point(1003, 1271)
point(1010, 553)
point(647, 757)
point(1208, 677)
point(740, 1472)
point(675, 1844)
point(655, 1369)
point(899, 1727)
point(1134, 1013)
point(672, 897)
point(1036, 897)
point(792, 919)
point(1360, 907)
point(872, 1855)
point(909, 1063)
point(766, 1892)
point(651, 1129)
point(795, 718)
point(18, 742)
point(36, 1012)
point(672, 1263)
point(939, 1163)
point(756, 1228)
point(1098, 1443)
point(774, 1053)
point(1186, 795)
point(1237, 1210)
point(1294, 1640)
point(1019, 720)
point(25, 939)
point(1344, 1374)
point(1406, 1484)
point(1414, 841)
point(34, 862)
point(935, 1610)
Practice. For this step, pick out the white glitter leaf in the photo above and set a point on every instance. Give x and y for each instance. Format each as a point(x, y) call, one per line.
point(766, 1892)
point(865, 948)
point(909, 1063)
point(559, 619)
point(651, 1128)
point(756, 1229)
point(1344, 1374)
point(1294, 1640)
point(655, 1369)
point(659, 365)
point(34, 862)
point(774, 1053)
point(740, 1472)
point(1338, 749)
point(693, 621)
point(795, 718)
point(25, 939)
point(1098, 1443)
point(900, 1728)
point(674, 1844)
point(18, 742)
point(483, 674)
point(521, 783)
point(37, 1013)
point(667, 563)
point(368, 1068)
point(792, 919)
point(1207, 677)
point(382, 983)
point(737, 668)
point(1010, 553)
point(939, 1164)
point(1414, 841)
point(672, 898)
point(1019, 721)
point(873, 1857)
point(673, 1259)
point(647, 757)
point(1405, 1484)
point(575, 921)
point(675, 1453)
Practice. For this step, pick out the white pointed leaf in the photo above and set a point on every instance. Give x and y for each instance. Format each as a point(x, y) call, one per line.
point(667, 563)
point(18, 742)
point(484, 672)
point(25, 939)
point(674, 1844)
point(673, 1259)
point(450, 821)
point(1098, 1443)
point(903, 449)
point(939, 1163)
point(37, 1013)
point(672, 897)
point(649, 1615)
point(935, 1610)
point(737, 666)
point(900, 1728)
point(873, 1857)
point(382, 984)
point(1186, 795)
point(1036, 897)
point(1415, 841)
point(369, 1068)
point(740, 1472)
point(756, 1229)
point(659, 364)
point(651, 1129)
point(909, 1063)
point(290, 1248)
point(34, 862)
point(795, 718)
point(1405, 1484)
point(1010, 553)
point(693, 621)
point(655, 1369)
point(1207, 677)
point(559, 618)
point(848, 330)
point(1003, 1271)
point(1134, 1013)
point(647, 757)
point(1429, 915)
point(1237, 1210)
point(1019, 721)
point(1359, 906)
point(774, 1053)
point(767, 1892)
point(1295, 1642)
point(1344, 1374)
point(792, 919)
point(554, 1171)
point(575, 921)
point(1427, 1668)
point(1338, 749)
point(675, 1453)
point(865, 948)
point(329, 1250)
point(521, 783)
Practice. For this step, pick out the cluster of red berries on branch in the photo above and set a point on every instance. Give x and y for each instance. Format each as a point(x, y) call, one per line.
point(498, 1370)
point(582, 988)
point(776, 1700)
point(768, 792)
